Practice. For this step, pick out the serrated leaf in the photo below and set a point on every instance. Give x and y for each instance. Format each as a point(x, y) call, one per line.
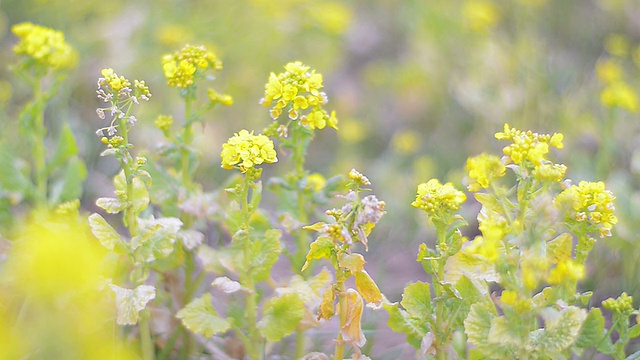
point(367, 288)
point(156, 238)
point(400, 321)
point(263, 254)
point(130, 302)
point(200, 317)
point(606, 346)
point(65, 149)
point(352, 329)
point(475, 269)
point(321, 248)
point(281, 317)
point(353, 262)
point(477, 326)
point(191, 239)
point(489, 202)
point(416, 299)
point(560, 248)
point(592, 329)
point(503, 334)
point(226, 285)
point(559, 333)
point(111, 205)
point(106, 234)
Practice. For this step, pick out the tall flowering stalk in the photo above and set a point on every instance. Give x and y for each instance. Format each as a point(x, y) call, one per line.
point(44, 53)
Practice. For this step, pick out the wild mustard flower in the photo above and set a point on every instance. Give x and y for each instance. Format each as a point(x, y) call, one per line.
point(617, 45)
point(565, 269)
point(608, 71)
point(244, 150)
point(182, 67)
point(439, 201)
point(296, 90)
point(481, 15)
point(590, 206)
point(623, 304)
point(528, 146)
point(482, 169)
point(620, 95)
point(549, 173)
point(163, 122)
point(46, 46)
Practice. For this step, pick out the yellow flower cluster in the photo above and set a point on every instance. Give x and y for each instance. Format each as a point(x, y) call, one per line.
point(439, 201)
point(566, 269)
point(623, 304)
point(245, 150)
point(528, 146)
point(481, 15)
point(620, 95)
point(181, 67)
point(46, 46)
point(163, 122)
point(591, 204)
point(482, 170)
point(547, 172)
point(115, 82)
point(295, 90)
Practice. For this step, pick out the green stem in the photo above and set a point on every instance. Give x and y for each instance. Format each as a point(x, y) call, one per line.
point(342, 299)
point(145, 337)
point(187, 138)
point(250, 313)
point(300, 344)
point(39, 131)
point(440, 292)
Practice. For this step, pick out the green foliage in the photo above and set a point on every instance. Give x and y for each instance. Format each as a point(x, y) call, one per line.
point(281, 316)
point(200, 317)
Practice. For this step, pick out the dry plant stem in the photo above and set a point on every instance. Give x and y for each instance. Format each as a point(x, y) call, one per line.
point(342, 299)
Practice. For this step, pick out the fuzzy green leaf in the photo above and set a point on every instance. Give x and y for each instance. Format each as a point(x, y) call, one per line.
point(477, 326)
point(69, 187)
point(322, 248)
point(400, 321)
point(416, 299)
point(592, 329)
point(111, 205)
point(106, 234)
point(140, 197)
point(560, 332)
point(15, 176)
point(489, 202)
point(263, 254)
point(475, 269)
point(560, 248)
point(281, 316)
point(634, 356)
point(156, 238)
point(634, 331)
point(130, 302)
point(65, 149)
point(200, 317)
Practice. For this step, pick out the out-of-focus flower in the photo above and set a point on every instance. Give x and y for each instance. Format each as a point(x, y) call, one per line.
point(621, 95)
point(608, 71)
point(182, 67)
point(482, 170)
point(481, 15)
point(245, 150)
point(46, 46)
point(617, 45)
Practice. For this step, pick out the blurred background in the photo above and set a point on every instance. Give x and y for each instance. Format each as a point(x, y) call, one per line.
point(418, 87)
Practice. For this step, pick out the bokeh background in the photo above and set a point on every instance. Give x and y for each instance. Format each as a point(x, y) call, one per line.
point(418, 86)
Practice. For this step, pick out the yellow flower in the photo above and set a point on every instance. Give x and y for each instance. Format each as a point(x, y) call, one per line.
point(590, 204)
point(163, 122)
point(245, 150)
point(617, 45)
point(481, 15)
point(565, 270)
point(46, 46)
point(316, 181)
point(440, 202)
point(115, 82)
point(528, 146)
point(608, 71)
point(619, 94)
point(482, 170)
point(406, 142)
point(181, 68)
point(547, 172)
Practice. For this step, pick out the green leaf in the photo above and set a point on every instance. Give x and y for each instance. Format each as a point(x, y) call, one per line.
point(156, 238)
point(322, 248)
point(416, 299)
point(281, 316)
point(560, 248)
point(130, 302)
point(634, 331)
point(107, 235)
point(367, 287)
point(592, 329)
point(200, 317)
point(477, 327)
point(560, 332)
point(606, 346)
point(140, 198)
point(191, 239)
point(475, 269)
point(69, 187)
point(263, 254)
point(400, 321)
point(111, 205)
point(489, 202)
point(65, 149)
point(14, 173)
point(634, 356)
point(353, 262)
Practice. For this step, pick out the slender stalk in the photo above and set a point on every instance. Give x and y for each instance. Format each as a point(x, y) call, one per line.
point(342, 299)
point(39, 131)
point(439, 289)
point(145, 336)
point(187, 138)
point(300, 344)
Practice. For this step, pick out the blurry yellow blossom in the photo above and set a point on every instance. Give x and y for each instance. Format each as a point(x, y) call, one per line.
point(115, 82)
point(46, 46)
point(620, 95)
point(608, 71)
point(617, 45)
point(635, 56)
point(528, 146)
point(352, 131)
point(533, 269)
point(482, 170)
point(180, 68)
point(333, 16)
point(163, 122)
point(481, 15)
point(486, 248)
point(245, 150)
point(173, 35)
point(223, 99)
point(406, 142)
point(316, 181)
point(566, 269)
point(589, 204)
point(439, 201)
point(548, 172)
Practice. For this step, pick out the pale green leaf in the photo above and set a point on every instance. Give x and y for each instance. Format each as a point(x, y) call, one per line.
point(321, 248)
point(263, 254)
point(65, 149)
point(107, 235)
point(210, 259)
point(503, 333)
point(156, 237)
point(226, 285)
point(560, 248)
point(69, 186)
point(367, 287)
point(416, 299)
point(489, 202)
point(130, 302)
point(191, 239)
point(560, 331)
point(592, 329)
point(634, 356)
point(477, 326)
point(400, 321)
point(475, 269)
point(281, 317)
point(139, 199)
point(13, 173)
point(200, 317)
point(111, 205)
point(308, 290)
point(634, 331)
